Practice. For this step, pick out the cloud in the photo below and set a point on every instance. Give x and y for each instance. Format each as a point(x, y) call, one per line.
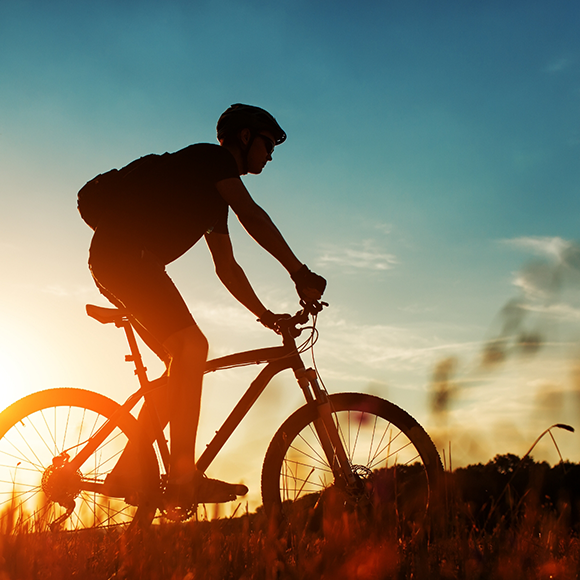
point(537, 281)
point(382, 346)
point(384, 228)
point(363, 256)
point(560, 311)
point(556, 270)
point(552, 247)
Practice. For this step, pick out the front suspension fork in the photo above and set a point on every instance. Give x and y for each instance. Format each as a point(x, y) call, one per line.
point(327, 427)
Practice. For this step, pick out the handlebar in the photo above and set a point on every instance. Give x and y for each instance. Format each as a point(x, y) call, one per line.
point(288, 326)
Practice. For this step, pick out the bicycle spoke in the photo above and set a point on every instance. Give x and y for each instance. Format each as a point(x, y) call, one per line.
point(387, 429)
point(396, 453)
point(389, 453)
point(360, 420)
point(50, 432)
point(43, 426)
point(388, 445)
point(100, 464)
point(316, 457)
point(42, 438)
point(19, 496)
point(40, 464)
point(66, 424)
point(20, 460)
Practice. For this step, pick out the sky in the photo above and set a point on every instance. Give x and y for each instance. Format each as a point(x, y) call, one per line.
point(431, 174)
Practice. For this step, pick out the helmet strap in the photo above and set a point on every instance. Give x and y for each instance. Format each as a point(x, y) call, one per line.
point(246, 152)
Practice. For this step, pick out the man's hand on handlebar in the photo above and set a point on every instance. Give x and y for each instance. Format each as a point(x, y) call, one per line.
point(286, 325)
point(270, 320)
point(310, 286)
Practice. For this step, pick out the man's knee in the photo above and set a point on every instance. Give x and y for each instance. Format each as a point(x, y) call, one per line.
point(189, 342)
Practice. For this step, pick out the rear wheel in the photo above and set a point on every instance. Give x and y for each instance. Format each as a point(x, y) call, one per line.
point(39, 435)
point(397, 468)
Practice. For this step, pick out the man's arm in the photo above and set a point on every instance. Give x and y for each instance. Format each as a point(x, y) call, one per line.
point(231, 273)
point(257, 223)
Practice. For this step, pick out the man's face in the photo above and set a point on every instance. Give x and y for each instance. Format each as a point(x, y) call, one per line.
point(260, 152)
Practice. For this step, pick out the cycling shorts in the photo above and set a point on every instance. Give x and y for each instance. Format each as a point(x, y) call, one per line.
point(131, 277)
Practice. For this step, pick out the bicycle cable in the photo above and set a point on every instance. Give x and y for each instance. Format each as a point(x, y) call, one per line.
point(315, 330)
point(308, 344)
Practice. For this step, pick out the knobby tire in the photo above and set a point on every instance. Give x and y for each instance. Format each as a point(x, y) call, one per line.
point(397, 467)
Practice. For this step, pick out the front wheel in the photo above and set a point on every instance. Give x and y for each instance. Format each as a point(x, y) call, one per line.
point(39, 435)
point(396, 466)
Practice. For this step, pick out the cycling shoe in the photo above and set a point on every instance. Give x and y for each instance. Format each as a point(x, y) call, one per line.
point(202, 489)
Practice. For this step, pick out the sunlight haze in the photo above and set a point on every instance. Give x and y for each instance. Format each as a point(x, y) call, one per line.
point(431, 174)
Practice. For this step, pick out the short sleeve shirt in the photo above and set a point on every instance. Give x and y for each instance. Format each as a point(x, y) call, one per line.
point(172, 201)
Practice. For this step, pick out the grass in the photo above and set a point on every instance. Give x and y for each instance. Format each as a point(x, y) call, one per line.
point(531, 533)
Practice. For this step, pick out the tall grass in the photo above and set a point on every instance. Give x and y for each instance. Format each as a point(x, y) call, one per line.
point(528, 535)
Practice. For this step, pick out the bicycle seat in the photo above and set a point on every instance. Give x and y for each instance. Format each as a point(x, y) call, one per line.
point(106, 315)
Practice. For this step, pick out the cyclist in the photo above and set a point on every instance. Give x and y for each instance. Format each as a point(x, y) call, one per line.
point(164, 206)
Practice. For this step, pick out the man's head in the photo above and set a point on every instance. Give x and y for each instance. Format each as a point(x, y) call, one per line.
point(252, 133)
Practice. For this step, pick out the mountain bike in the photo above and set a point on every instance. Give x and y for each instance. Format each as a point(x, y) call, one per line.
point(344, 452)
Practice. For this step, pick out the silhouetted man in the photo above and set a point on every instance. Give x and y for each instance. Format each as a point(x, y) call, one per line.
point(162, 207)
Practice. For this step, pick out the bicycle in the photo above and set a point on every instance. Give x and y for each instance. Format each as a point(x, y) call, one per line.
point(354, 451)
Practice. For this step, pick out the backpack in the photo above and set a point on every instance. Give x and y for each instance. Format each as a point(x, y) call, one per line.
point(106, 191)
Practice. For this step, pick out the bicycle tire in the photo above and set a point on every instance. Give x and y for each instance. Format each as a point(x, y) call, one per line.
point(397, 467)
point(38, 428)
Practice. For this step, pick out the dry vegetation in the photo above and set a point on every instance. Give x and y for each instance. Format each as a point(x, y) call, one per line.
point(507, 519)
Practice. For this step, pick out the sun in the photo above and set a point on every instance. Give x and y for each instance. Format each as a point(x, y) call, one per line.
point(11, 379)
point(20, 370)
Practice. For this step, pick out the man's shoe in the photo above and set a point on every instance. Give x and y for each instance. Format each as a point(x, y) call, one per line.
point(202, 489)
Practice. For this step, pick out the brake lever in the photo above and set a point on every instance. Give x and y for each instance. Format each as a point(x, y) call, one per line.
point(313, 307)
point(289, 325)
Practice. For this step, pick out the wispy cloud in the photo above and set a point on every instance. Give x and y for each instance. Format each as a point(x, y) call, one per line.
point(537, 281)
point(347, 351)
point(366, 255)
point(552, 247)
point(383, 346)
point(384, 228)
point(556, 270)
point(561, 311)
point(548, 292)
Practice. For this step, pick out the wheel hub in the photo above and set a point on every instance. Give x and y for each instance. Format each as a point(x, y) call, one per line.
point(359, 493)
point(361, 472)
point(60, 483)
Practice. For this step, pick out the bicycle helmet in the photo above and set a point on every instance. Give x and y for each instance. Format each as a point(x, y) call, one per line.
point(239, 116)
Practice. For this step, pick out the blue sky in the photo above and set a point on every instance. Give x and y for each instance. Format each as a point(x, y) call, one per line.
point(431, 174)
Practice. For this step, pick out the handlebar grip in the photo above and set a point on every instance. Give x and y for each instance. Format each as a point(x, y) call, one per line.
point(310, 308)
point(313, 306)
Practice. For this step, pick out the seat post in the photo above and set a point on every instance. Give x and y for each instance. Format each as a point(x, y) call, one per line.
point(135, 356)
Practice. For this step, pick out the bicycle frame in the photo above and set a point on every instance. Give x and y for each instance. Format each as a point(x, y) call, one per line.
point(276, 360)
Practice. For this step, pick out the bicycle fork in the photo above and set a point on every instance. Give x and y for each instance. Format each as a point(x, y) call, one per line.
point(327, 429)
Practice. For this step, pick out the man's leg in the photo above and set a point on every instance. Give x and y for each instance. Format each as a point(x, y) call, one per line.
point(139, 283)
point(188, 349)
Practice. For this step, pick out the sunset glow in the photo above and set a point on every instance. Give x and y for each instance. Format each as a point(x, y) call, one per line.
point(430, 174)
